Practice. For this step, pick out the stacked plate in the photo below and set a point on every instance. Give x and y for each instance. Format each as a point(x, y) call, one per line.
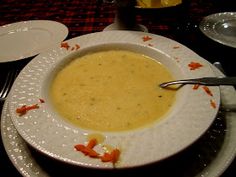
point(192, 121)
point(220, 27)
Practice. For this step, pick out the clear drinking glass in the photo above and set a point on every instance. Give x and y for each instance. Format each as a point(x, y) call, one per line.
point(125, 18)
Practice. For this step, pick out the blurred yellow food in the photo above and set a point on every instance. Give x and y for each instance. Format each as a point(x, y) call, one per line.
point(149, 3)
point(166, 3)
point(157, 3)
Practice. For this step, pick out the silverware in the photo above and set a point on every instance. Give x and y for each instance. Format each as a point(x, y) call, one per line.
point(210, 81)
point(11, 75)
point(225, 107)
point(228, 108)
point(219, 66)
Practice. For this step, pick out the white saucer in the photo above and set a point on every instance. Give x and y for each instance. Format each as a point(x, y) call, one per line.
point(28, 38)
point(220, 27)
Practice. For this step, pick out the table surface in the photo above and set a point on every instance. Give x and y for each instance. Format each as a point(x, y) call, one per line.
point(83, 17)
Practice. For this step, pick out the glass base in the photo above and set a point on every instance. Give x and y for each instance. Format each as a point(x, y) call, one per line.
point(115, 26)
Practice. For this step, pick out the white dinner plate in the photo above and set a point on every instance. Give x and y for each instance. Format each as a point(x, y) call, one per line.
point(220, 27)
point(28, 165)
point(28, 38)
point(189, 118)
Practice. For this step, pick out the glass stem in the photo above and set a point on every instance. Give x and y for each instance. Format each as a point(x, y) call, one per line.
point(125, 14)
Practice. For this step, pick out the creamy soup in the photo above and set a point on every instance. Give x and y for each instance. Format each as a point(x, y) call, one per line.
point(112, 90)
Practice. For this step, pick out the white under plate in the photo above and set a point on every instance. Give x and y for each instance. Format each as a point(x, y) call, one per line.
point(28, 38)
point(220, 27)
point(45, 130)
point(220, 143)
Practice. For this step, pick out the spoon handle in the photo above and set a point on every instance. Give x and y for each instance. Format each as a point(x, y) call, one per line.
point(211, 81)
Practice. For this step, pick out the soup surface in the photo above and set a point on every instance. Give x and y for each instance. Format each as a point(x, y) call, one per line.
point(112, 90)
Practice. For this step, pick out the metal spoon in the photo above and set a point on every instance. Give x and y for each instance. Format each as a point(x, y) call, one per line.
point(210, 81)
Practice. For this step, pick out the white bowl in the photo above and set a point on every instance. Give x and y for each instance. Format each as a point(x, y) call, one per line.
point(46, 131)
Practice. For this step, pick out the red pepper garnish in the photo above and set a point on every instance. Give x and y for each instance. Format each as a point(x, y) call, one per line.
point(115, 155)
point(111, 157)
point(106, 157)
point(92, 143)
point(213, 104)
point(24, 109)
point(65, 45)
point(194, 65)
point(89, 151)
point(86, 151)
point(77, 46)
point(146, 38)
point(195, 86)
point(207, 90)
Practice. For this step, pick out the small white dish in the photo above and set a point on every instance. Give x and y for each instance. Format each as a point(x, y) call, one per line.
point(28, 165)
point(28, 38)
point(46, 131)
point(220, 27)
